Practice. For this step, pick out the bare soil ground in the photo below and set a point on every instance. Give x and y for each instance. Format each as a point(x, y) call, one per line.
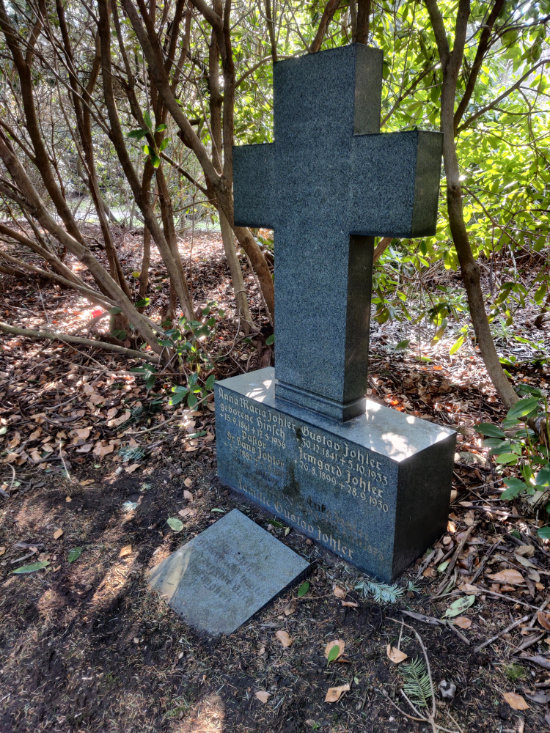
point(92, 467)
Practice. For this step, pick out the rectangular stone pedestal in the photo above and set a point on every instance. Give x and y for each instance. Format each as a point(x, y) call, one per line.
point(374, 489)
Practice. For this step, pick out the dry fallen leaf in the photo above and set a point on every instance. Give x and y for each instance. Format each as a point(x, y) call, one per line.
point(463, 622)
point(101, 450)
point(350, 604)
point(516, 702)
point(525, 550)
point(469, 588)
point(544, 620)
point(508, 576)
point(335, 693)
point(188, 482)
point(340, 643)
point(2, 551)
point(188, 495)
point(284, 638)
point(263, 696)
point(395, 655)
point(83, 433)
point(289, 609)
point(339, 592)
point(57, 534)
point(126, 550)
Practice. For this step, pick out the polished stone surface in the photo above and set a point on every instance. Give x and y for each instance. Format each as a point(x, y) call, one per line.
point(327, 185)
point(374, 489)
point(227, 573)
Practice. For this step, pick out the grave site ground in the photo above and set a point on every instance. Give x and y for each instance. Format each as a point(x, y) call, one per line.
point(93, 466)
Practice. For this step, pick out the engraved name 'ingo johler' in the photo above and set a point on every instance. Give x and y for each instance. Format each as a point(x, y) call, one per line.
point(344, 466)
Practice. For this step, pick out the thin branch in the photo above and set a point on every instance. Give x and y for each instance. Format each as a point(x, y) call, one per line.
point(53, 336)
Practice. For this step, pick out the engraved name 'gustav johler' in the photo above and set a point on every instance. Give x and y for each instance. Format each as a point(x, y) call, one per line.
point(258, 432)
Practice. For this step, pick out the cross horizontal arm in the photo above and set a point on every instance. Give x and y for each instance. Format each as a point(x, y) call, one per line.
point(396, 183)
point(254, 185)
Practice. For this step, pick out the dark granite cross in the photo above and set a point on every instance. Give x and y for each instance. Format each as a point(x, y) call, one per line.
point(328, 185)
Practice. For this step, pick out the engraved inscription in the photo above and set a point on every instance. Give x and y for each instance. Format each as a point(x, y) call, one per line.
point(283, 456)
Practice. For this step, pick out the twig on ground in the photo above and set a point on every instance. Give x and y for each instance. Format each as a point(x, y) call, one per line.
point(539, 609)
point(450, 567)
point(483, 563)
point(165, 422)
point(437, 622)
point(537, 659)
point(506, 598)
point(511, 626)
point(528, 642)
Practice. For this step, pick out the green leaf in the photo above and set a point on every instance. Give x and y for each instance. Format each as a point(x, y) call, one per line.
point(137, 134)
point(164, 144)
point(74, 554)
point(544, 533)
point(148, 121)
point(507, 459)
point(334, 651)
point(402, 345)
point(456, 346)
point(161, 127)
point(543, 476)
point(515, 487)
point(175, 524)
point(180, 393)
point(303, 589)
point(115, 311)
point(492, 431)
point(32, 568)
point(522, 408)
point(511, 493)
point(155, 160)
point(209, 384)
point(270, 340)
point(221, 511)
point(192, 400)
point(143, 302)
point(459, 606)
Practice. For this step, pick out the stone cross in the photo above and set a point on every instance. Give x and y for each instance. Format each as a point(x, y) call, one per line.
point(328, 185)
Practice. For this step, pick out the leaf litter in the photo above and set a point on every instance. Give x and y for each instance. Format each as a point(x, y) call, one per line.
point(53, 395)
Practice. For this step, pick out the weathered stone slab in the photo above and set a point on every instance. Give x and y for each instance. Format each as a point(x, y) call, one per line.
point(374, 489)
point(224, 575)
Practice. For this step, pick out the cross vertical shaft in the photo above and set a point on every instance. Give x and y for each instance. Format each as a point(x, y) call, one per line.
point(327, 185)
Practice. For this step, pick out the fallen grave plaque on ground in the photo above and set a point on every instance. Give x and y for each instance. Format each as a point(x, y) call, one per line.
point(370, 483)
point(227, 573)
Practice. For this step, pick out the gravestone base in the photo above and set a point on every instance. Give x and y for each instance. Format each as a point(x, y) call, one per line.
point(374, 489)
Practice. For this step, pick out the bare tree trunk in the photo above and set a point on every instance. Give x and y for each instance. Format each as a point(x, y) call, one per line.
point(363, 21)
point(243, 310)
point(451, 62)
point(218, 185)
point(328, 13)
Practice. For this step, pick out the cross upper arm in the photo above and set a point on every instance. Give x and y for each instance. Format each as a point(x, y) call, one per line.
point(254, 185)
point(395, 183)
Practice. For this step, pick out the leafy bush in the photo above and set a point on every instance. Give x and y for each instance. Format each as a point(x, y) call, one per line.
point(187, 342)
point(522, 444)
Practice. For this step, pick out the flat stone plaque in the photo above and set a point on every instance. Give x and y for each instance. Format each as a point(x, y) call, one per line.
point(224, 575)
point(374, 489)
